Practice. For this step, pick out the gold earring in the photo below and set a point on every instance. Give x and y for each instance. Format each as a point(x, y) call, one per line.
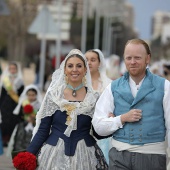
point(66, 79)
point(84, 81)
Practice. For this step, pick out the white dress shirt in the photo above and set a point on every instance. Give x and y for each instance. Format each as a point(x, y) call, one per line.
point(105, 125)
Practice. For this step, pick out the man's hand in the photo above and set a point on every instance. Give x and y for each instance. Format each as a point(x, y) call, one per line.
point(133, 115)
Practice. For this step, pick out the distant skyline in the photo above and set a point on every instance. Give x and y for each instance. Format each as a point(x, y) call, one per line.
point(144, 11)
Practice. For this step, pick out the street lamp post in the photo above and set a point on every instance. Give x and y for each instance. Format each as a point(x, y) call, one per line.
point(84, 27)
point(97, 26)
point(110, 9)
point(116, 33)
point(58, 40)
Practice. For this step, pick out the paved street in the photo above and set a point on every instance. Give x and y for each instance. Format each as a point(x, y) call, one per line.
point(6, 162)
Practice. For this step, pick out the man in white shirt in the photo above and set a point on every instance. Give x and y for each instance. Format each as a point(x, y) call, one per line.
point(140, 102)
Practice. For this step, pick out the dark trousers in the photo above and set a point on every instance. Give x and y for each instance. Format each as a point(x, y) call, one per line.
point(124, 160)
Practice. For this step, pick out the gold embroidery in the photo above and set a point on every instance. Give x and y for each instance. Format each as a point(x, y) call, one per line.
point(69, 108)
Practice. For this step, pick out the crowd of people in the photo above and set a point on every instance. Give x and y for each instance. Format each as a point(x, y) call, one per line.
point(93, 115)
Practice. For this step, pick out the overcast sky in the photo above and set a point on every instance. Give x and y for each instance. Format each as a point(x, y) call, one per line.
point(144, 11)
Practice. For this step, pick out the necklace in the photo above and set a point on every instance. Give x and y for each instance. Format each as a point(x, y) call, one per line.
point(74, 89)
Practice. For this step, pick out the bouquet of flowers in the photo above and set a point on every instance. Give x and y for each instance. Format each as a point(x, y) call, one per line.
point(25, 161)
point(28, 109)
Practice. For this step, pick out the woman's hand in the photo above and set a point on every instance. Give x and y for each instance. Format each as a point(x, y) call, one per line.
point(111, 115)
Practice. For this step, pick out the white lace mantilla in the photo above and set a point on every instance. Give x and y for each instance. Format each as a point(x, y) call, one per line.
point(54, 98)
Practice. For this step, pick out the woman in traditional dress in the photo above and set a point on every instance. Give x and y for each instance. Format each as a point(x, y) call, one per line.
point(11, 86)
point(96, 62)
point(29, 104)
point(61, 137)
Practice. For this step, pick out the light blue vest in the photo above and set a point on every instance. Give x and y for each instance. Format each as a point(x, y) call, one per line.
point(151, 128)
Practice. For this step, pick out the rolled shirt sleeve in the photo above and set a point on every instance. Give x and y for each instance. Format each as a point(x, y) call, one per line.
point(103, 124)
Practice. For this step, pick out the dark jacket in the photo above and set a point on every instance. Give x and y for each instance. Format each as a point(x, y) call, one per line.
point(56, 123)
